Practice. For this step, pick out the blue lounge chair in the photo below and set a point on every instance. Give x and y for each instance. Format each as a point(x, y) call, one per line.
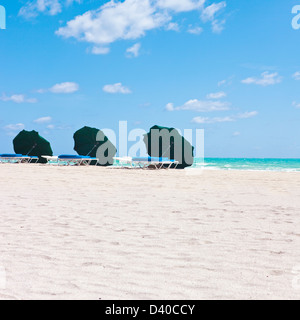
point(148, 162)
point(68, 160)
point(75, 160)
point(17, 158)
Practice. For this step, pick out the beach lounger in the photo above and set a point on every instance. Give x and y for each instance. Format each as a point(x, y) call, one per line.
point(124, 160)
point(50, 158)
point(76, 160)
point(17, 158)
point(33, 159)
point(68, 160)
point(148, 162)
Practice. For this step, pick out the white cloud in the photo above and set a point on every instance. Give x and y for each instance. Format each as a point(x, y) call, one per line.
point(100, 50)
point(247, 115)
point(170, 107)
point(218, 26)
point(15, 127)
point(236, 134)
point(116, 88)
point(64, 87)
point(50, 7)
point(206, 120)
point(173, 26)
point(217, 95)
point(180, 5)
point(41, 91)
point(296, 75)
point(296, 105)
point(114, 21)
point(200, 106)
point(33, 8)
point(51, 126)
point(134, 51)
point(226, 82)
point(266, 79)
point(222, 83)
point(132, 19)
point(31, 100)
point(209, 13)
point(43, 120)
point(70, 2)
point(145, 105)
point(256, 66)
point(202, 120)
point(195, 30)
point(18, 98)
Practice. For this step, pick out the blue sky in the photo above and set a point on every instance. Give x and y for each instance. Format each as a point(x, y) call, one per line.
point(230, 67)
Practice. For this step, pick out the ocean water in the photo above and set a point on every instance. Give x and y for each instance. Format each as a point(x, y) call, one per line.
point(288, 165)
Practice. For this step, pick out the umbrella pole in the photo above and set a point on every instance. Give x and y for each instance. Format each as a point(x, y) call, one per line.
point(92, 150)
point(171, 144)
point(31, 150)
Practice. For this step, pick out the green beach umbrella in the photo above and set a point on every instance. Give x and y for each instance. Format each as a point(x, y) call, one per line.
point(167, 142)
point(30, 143)
point(92, 142)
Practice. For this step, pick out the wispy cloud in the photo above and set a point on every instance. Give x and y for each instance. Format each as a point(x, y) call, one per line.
point(170, 107)
point(266, 79)
point(18, 98)
point(100, 50)
point(50, 7)
point(216, 95)
point(226, 82)
point(203, 120)
point(70, 2)
point(218, 25)
point(195, 30)
point(207, 120)
point(43, 120)
point(173, 26)
point(180, 5)
point(64, 87)
point(247, 115)
point(296, 75)
point(296, 105)
point(116, 88)
point(15, 127)
point(260, 67)
point(145, 105)
point(209, 14)
point(200, 106)
point(12, 129)
point(134, 51)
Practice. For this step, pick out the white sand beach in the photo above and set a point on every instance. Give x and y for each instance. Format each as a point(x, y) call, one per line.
point(102, 233)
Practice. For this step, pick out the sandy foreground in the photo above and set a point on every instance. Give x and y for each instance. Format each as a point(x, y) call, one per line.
point(99, 233)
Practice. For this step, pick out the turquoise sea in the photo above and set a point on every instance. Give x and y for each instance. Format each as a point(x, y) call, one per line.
point(287, 165)
point(248, 164)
